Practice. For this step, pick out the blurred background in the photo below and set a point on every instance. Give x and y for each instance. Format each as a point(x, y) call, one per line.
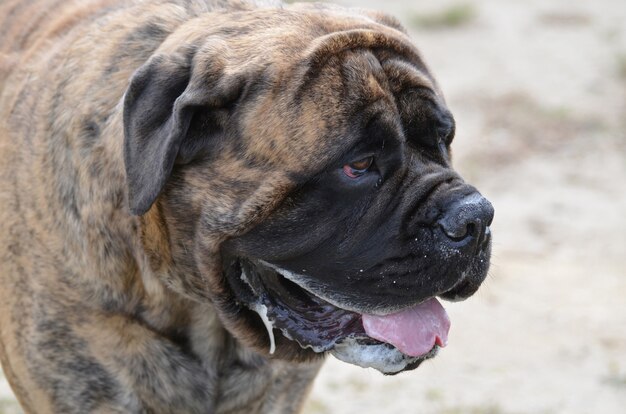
point(538, 89)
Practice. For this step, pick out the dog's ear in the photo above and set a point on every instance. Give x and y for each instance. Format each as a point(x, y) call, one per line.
point(160, 104)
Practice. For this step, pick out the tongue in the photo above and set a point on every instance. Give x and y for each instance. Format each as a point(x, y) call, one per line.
point(413, 331)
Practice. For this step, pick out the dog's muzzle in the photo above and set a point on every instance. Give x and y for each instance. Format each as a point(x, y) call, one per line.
point(465, 225)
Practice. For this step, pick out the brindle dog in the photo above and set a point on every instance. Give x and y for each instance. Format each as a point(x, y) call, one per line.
point(199, 199)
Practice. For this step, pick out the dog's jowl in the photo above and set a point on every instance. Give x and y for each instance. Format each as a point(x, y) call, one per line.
point(200, 199)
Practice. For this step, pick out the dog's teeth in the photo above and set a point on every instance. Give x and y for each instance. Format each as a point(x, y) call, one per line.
point(262, 311)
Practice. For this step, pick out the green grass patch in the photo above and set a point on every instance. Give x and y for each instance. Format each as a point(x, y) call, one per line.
point(615, 376)
point(314, 406)
point(456, 15)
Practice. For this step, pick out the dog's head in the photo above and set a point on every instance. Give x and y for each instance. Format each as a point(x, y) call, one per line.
point(293, 168)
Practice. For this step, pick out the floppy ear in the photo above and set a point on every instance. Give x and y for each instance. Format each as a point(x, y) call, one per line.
point(159, 105)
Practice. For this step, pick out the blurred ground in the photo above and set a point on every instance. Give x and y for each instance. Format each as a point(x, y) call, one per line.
point(538, 89)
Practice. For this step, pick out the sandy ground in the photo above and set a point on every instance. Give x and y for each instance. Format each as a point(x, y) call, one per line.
point(539, 92)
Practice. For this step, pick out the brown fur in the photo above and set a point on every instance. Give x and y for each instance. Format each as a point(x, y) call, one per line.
point(104, 311)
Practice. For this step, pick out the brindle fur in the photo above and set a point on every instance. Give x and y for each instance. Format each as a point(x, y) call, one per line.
point(105, 311)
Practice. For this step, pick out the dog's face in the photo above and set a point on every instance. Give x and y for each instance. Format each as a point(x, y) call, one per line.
point(301, 170)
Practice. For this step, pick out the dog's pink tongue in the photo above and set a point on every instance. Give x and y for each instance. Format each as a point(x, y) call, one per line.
point(413, 331)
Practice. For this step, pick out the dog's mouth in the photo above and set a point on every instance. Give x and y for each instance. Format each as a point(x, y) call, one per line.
point(389, 343)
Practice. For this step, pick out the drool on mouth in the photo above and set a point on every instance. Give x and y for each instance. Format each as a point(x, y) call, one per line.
point(389, 343)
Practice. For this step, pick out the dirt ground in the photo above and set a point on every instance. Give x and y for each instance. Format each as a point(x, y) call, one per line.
point(538, 89)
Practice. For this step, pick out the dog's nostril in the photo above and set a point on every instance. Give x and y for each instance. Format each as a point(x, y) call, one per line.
point(461, 232)
point(458, 233)
point(471, 230)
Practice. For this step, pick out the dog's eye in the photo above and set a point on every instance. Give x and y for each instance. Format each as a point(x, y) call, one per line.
point(358, 168)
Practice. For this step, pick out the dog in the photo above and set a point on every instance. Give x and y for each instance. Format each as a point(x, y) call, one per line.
point(200, 199)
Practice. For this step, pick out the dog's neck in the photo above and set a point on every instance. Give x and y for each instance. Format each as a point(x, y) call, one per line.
point(195, 328)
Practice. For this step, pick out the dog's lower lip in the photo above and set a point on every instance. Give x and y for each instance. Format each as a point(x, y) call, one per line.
point(314, 323)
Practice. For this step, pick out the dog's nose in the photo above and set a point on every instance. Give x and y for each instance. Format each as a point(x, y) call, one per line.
point(467, 220)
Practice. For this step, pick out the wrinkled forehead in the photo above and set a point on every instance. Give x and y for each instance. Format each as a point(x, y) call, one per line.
point(328, 92)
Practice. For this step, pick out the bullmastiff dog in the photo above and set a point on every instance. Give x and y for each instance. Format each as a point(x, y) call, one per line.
point(199, 199)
